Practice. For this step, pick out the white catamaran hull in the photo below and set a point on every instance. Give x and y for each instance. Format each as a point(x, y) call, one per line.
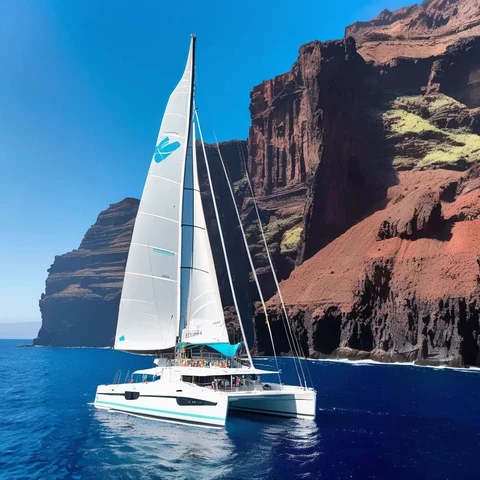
point(187, 403)
point(178, 402)
point(289, 401)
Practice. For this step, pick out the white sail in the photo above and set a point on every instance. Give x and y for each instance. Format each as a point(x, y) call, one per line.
point(204, 319)
point(149, 308)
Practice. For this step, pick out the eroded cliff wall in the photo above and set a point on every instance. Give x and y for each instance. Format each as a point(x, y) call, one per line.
point(82, 290)
point(399, 279)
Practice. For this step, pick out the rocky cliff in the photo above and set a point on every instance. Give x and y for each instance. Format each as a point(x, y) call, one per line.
point(390, 258)
point(82, 291)
point(307, 129)
point(363, 158)
point(418, 31)
point(403, 283)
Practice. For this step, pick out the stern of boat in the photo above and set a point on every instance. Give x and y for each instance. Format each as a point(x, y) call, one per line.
point(284, 401)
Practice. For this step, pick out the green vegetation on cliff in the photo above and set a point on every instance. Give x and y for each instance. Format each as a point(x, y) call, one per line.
point(421, 131)
point(290, 240)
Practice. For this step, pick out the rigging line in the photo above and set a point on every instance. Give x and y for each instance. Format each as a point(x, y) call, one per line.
point(254, 273)
point(222, 241)
point(296, 342)
point(288, 331)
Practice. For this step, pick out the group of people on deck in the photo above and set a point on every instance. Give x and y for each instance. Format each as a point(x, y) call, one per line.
point(236, 382)
point(188, 362)
point(218, 384)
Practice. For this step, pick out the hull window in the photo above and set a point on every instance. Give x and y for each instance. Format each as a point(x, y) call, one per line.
point(131, 395)
point(193, 401)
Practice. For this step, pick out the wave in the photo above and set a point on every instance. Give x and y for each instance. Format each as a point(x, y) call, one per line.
point(369, 362)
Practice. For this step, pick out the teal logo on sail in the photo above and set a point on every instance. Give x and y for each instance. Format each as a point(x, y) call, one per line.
point(162, 251)
point(122, 338)
point(164, 149)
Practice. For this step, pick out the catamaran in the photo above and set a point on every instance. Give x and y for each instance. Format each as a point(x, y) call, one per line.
point(170, 305)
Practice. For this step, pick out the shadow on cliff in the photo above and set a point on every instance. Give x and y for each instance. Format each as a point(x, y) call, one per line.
point(355, 166)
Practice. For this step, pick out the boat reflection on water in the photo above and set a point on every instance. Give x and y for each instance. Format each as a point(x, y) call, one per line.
point(274, 447)
point(147, 446)
point(251, 446)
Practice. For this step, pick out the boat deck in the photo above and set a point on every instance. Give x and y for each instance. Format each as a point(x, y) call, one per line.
point(207, 371)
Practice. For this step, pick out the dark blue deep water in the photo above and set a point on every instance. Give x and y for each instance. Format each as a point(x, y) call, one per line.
point(373, 421)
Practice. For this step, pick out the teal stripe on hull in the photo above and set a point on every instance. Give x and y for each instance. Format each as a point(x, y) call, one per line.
point(147, 409)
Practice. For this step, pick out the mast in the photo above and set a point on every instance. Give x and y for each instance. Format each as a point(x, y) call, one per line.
point(188, 136)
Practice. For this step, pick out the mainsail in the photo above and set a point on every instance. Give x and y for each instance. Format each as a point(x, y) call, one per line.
point(170, 285)
point(149, 312)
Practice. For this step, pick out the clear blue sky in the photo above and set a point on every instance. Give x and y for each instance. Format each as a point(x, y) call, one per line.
point(83, 85)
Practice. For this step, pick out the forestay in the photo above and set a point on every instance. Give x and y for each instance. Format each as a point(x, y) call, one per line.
point(149, 308)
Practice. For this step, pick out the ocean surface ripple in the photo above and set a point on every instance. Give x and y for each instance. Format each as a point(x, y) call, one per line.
point(373, 422)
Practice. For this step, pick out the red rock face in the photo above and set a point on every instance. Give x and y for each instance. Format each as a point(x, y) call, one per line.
point(289, 115)
point(415, 299)
point(308, 131)
point(418, 31)
point(390, 258)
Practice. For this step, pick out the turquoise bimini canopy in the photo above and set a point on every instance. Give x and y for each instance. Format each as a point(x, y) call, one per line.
point(226, 349)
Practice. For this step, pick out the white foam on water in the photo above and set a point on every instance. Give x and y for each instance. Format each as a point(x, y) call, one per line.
point(369, 362)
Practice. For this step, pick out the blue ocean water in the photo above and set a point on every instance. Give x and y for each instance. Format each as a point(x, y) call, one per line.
point(373, 422)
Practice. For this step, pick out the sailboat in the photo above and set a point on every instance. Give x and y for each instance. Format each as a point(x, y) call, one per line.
point(170, 305)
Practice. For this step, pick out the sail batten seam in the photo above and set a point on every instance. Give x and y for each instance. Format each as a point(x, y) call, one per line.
point(151, 276)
